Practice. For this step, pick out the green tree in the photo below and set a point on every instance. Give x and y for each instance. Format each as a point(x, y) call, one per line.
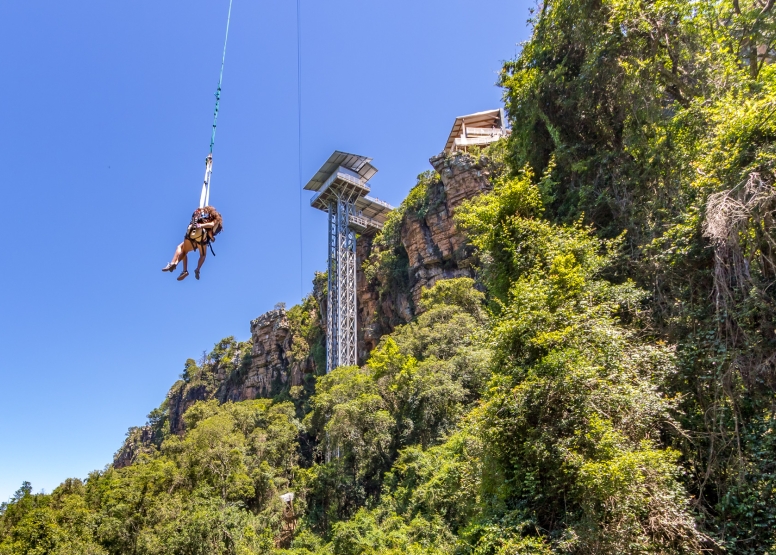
point(571, 425)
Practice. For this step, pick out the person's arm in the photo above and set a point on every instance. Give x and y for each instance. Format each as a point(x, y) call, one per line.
point(207, 225)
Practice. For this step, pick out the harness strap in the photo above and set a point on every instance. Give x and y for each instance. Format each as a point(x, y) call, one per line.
point(201, 245)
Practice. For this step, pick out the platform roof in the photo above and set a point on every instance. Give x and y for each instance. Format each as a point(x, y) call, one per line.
point(373, 208)
point(488, 118)
point(359, 164)
point(343, 183)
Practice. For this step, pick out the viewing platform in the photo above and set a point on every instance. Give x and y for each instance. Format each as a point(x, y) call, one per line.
point(344, 177)
point(478, 129)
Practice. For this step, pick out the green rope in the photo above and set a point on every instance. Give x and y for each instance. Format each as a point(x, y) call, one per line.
point(220, 79)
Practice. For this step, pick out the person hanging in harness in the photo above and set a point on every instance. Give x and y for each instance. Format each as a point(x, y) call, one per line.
point(205, 224)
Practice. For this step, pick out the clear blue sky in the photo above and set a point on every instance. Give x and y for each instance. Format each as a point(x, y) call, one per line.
point(107, 109)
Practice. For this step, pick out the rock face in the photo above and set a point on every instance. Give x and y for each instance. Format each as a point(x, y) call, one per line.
point(262, 374)
point(138, 441)
point(269, 369)
point(434, 248)
point(262, 367)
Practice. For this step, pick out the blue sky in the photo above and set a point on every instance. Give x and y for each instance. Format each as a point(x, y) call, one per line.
point(107, 109)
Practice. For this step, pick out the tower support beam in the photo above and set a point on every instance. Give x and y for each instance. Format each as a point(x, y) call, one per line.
point(341, 314)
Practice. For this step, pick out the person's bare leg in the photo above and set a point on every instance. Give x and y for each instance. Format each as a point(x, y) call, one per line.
point(178, 254)
point(175, 259)
point(184, 272)
point(201, 261)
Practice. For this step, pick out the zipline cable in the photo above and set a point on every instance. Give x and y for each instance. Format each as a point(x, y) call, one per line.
point(204, 198)
point(299, 135)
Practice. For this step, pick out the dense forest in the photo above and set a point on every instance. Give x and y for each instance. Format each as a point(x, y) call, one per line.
point(605, 385)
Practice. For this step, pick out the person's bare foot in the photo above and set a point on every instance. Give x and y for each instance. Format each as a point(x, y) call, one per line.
point(183, 275)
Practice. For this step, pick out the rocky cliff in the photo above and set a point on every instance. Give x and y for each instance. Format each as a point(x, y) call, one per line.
point(435, 248)
point(262, 367)
point(427, 246)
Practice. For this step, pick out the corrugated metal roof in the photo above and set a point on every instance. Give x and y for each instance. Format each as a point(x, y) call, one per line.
point(359, 164)
point(342, 184)
point(480, 119)
point(346, 174)
point(373, 208)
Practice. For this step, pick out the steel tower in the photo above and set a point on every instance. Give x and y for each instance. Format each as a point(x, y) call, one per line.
point(341, 191)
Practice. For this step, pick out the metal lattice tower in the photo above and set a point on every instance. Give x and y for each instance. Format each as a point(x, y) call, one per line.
point(341, 191)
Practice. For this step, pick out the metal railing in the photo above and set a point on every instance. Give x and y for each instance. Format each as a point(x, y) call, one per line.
point(364, 222)
point(486, 131)
point(463, 141)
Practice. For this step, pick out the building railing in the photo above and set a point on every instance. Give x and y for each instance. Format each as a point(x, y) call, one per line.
point(464, 141)
point(362, 223)
point(484, 131)
point(378, 201)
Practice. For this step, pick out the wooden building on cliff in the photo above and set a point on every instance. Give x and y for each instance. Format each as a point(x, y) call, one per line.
point(478, 129)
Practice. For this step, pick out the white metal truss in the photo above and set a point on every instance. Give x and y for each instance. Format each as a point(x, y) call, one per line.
point(341, 314)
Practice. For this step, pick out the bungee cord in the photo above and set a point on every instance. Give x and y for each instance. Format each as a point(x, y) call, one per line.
point(204, 197)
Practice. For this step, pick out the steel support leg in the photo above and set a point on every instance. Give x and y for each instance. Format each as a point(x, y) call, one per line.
point(341, 314)
point(332, 309)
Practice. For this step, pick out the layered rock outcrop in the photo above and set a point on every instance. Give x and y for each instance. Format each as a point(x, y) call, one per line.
point(259, 368)
point(138, 440)
point(434, 248)
point(270, 368)
point(263, 371)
